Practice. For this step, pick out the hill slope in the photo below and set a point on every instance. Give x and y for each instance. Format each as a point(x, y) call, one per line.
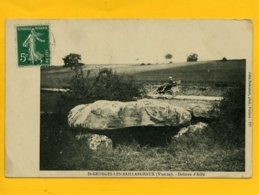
point(207, 71)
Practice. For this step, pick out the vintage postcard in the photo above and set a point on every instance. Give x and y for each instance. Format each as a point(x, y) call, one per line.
point(129, 98)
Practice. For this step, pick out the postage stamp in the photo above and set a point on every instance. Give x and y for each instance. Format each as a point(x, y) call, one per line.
point(33, 45)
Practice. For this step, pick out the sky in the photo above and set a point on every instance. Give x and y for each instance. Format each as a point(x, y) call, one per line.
point(148, 41)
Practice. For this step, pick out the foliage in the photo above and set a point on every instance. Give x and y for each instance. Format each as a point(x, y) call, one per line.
point(218, 148)
point(224, 59)
point(193, 57)
point(59, 148)
point(229, 130)
point(191, 152)
point(107, 85)
point(72, 60)
point(229, 71)
point(168, 56)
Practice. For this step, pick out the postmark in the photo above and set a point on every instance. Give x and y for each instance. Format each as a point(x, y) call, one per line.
point(33, 45)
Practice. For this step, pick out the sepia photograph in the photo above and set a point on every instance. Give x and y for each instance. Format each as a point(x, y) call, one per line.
point(146, 95)
point(129, 98)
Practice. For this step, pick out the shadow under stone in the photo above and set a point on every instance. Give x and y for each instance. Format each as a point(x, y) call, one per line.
point(143, 135)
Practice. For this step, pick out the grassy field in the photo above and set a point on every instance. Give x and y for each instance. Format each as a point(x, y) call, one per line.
point(210, 72)
point(196, 80)
point(196, 152)
point(230, 71)
point(218, 148)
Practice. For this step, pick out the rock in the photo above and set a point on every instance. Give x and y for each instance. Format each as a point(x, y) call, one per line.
point(204, 112)
point(198, 108)
point(198, 127)
point(181, 132)
point(95, 141)
point(104, 115)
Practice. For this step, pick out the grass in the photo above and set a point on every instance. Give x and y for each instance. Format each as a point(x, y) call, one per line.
point(194, 152)
point(219, 148)
point(210, 72)
point(135, 158)
point(199, 72)
point(202, 91)
point(196, 89)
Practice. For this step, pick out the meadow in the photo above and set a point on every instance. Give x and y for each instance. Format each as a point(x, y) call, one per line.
point(196, 80)
point(214, 72)
point(196, 152)
point(219, 148)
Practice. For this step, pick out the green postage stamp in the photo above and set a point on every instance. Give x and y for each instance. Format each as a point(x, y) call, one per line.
point(33, 45)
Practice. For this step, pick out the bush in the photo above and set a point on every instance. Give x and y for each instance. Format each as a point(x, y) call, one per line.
point(229, 130)
point(107, 85)
point(193, 57)
point(224, 59)
point(59, 149)
point(198, 151)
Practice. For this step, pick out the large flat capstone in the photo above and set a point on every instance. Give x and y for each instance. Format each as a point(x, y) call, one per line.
point(105, 115)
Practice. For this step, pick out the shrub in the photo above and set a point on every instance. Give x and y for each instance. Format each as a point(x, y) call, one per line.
point(229, 130)
point(224, 59)
point(107, 85)
point(60, 150)
point(193, 57)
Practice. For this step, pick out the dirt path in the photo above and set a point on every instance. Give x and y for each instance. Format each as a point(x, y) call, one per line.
point(54, 89)
point(178, 97)
point(203, 98)
point(185, 97)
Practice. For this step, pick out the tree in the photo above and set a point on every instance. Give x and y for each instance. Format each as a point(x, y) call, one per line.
point(168, 56)
point(72, 60)
point(193, 57)
point(224, 59)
